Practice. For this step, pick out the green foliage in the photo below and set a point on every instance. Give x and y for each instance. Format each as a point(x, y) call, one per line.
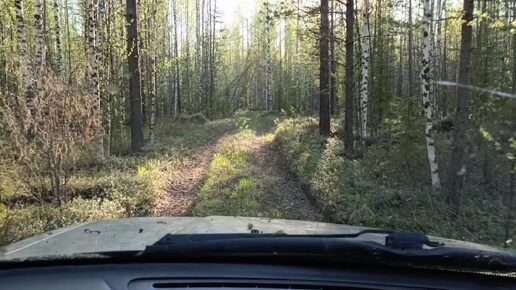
point(295, 140)
point(372, 192)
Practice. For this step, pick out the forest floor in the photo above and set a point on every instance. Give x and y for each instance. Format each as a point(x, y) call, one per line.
point(238, 174)
point(223, 167)
point(259, 165)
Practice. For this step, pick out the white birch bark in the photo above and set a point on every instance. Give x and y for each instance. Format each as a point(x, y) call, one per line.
point(364, 83)
point(122, 80)
point(438, 59)
point(94, 76)
point(40, 49)
point(198, 47)
point(176, 61)
point(24, 57)
point(426, 84)
point(57, 35)
point(152, 36)
point(268, 65)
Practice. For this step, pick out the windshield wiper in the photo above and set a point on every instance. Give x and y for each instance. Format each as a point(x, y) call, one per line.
point(398, 249)
point(393, 239)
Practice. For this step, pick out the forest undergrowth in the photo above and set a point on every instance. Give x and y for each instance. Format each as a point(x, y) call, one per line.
point(264, 165)
point(385, 185)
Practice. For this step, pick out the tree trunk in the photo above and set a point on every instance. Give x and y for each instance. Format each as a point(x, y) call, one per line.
point(401, 78)
point(426, 91)
point(152, 74)
point(364, 83)
point(410, 59)
point(122, 101)
point(187, 87)
point(438, 57)
point(134, 77)
point(349, 90)
point(198, 53)
point(94, 77)
point(324, 76)
point(333, 62)
point(213, 68)
point(444, 63)
point(40, 60)
point(267, 98)
point(177, 80)
point(458, 157)
point(57, 32)
point(24, 57)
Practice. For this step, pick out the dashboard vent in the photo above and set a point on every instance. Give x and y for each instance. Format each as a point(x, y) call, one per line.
point(234, 284)
point(239, 285)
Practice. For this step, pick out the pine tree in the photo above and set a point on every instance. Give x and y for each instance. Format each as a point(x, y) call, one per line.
point(458, 157)
point(324, 75)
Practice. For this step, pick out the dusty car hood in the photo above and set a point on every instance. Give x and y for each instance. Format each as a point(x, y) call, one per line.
point(135, 233)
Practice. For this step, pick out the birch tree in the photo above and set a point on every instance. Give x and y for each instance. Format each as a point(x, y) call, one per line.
point(40, 59)
point(426, 90)
point(267, 97)
point(57, 35)
point(152, 72)
point(349, 83)
point(438, 52)
point(177, 81)
point(24, 57)
point(93, 73)
point(411, 73)
point(364, 83)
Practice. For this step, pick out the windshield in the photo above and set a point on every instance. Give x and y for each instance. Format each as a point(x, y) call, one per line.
point(392, 114)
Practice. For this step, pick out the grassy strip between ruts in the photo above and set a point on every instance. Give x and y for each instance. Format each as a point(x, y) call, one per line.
point(229, 189)
point(367, 191)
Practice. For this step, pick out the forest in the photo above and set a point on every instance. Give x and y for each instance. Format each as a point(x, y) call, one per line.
point(381, 113)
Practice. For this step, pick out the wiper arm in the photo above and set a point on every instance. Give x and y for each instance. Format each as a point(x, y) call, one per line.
point(393, 239)
point(399, 249)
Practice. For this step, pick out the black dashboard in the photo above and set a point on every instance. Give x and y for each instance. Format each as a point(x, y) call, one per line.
point(153, 276)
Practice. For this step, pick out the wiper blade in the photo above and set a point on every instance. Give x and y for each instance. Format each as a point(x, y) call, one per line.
point(399, 249)
point(393, 239)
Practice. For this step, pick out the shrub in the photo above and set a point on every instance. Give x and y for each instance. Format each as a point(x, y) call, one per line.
point(46, 138)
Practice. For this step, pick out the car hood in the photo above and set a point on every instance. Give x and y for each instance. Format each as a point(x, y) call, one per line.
point(135, 234)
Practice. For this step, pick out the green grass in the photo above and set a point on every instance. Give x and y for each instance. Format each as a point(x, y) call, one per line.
point(231, 186)
point(229, 190)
